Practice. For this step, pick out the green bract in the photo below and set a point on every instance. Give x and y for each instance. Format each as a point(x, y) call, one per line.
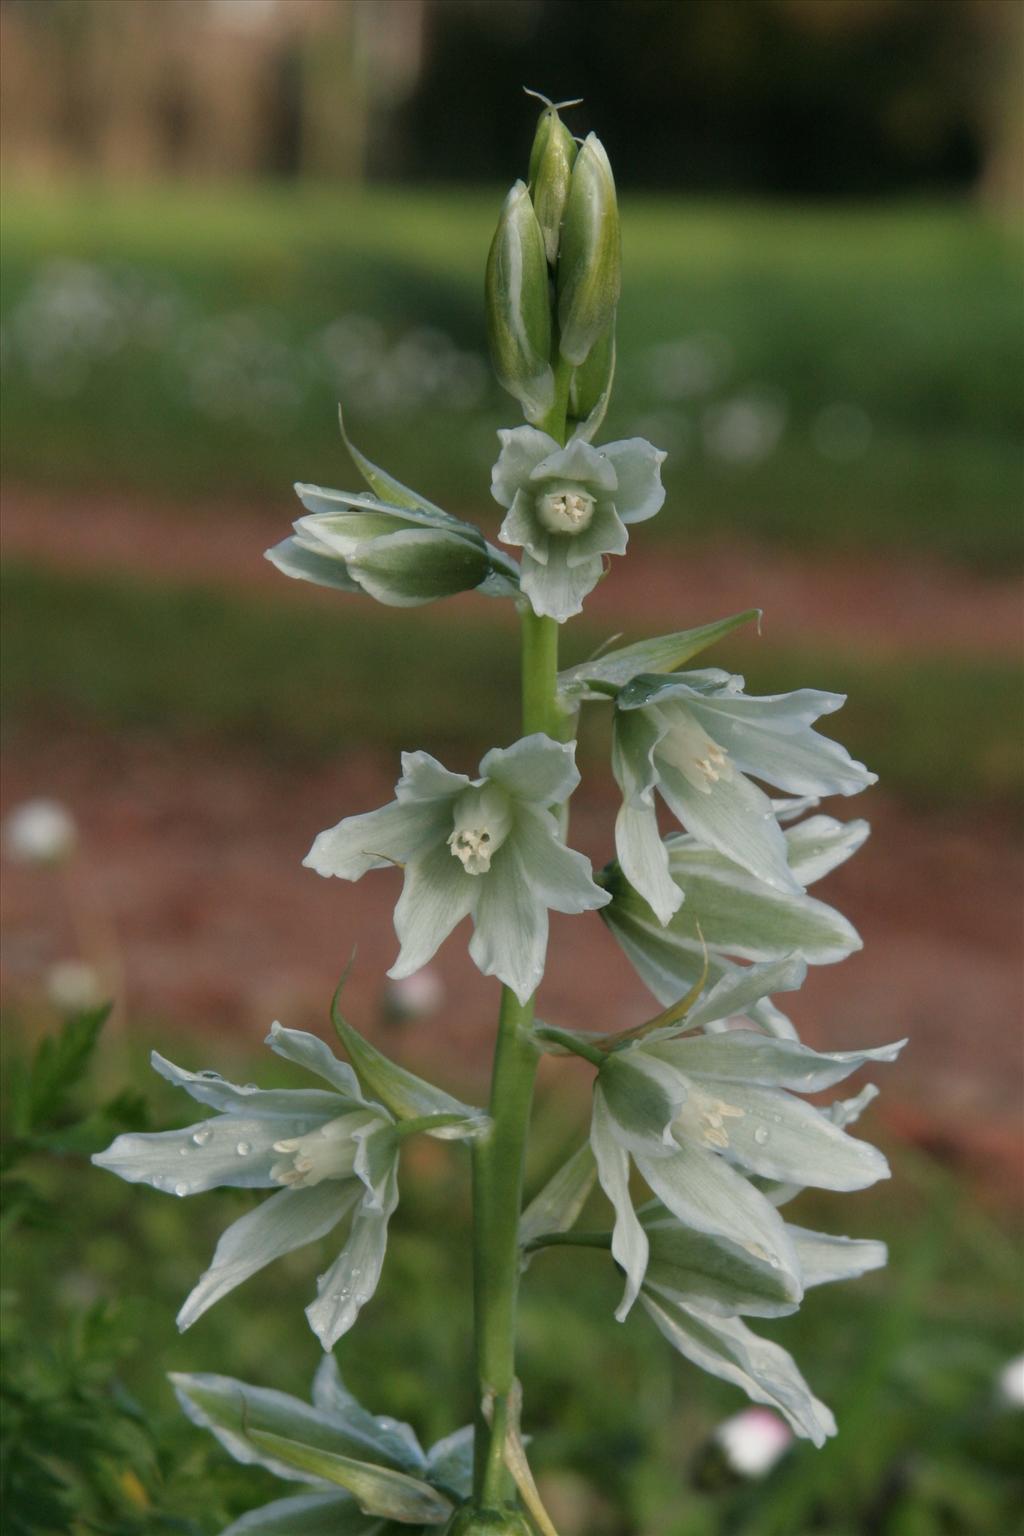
point(487, 848)
point(364, 1475)
point(568, 508)
point(694, 737)
point(330, 1154)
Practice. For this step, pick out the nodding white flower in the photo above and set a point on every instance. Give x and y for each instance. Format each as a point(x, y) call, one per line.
point(699, 1115)
point(753, 1441)
point(40, 832)
point(327, 1447)
point(694, 737)
point(568, 508)
point(329, 1153)
point(487, 848)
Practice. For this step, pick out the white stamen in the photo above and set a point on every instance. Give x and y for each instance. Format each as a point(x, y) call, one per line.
point(565, 509)
point(326, 1153)
point(688, 747)
point(482, 821)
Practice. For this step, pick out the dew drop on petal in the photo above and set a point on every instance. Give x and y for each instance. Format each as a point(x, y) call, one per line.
point(761, 1135)
point(181, 1189)
point(183, 1151)
point(202, 1136)
point(243, 1149)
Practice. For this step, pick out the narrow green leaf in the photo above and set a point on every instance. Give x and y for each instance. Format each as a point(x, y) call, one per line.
point(386, 486)
point(407, 1096)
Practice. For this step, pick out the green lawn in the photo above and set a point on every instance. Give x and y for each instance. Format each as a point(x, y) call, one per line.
point(303, 682)
point(835, 377)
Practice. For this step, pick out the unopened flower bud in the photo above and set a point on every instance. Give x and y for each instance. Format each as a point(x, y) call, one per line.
point(551, 162)
point(590, 254)
point(518, 306)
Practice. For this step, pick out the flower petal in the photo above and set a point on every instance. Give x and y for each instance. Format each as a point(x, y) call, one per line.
point(436, 895)
point(294, 558)
point(561, 878)
point(535, 768)
point(726, 1348)
point(510, 926)
point(605, 535)
point(386, 1439)
point(644, 860)
point(352, 1279)
point(779, 1137)
point(824, 1257)
point(418, 565)
point(629, 1240)
point(640, 493)
point(522, 449)
point(229, 1409)
point(577, 461)
point(393, 835)
point(704, 1193)
point(733, 995)
point(715, 1273)
point(788, 754)
point(229, 1151)
point(643, 1097)
point(425, 779)
point(308, 1514)
point(212, 1089)
point(288, 1220)
point(820, 844)
point(735, 818)
point(746, 1056)
point(315, 1055)
point(450, 1462)
point(556, 590)
point(523, 529)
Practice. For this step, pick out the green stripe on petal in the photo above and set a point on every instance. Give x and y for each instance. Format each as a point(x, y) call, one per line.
point(745, 1056)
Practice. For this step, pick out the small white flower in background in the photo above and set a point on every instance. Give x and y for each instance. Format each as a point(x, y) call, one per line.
point(753, 1441)
point(40, 832)
point(328, 1152)
point(487, 848)
point(568, 508)
point(694, 737)
point(74, 985)
point(1010, 1383)
point(414, 997)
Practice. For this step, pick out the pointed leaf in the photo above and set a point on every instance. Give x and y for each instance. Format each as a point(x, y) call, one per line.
point(407, 1096)
point(386, 486)
point(664, 654)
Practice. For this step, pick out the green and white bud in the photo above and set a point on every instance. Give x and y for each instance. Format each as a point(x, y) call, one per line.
point(551, 161)
point(518, 306)
point(590, 254)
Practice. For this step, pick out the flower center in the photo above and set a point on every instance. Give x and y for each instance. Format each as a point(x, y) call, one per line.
point(702, 1119)
point(565, 509)
point(688, 747)
point(326, 1153)
point(481, 822)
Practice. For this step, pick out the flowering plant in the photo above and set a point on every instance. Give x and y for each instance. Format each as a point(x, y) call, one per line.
point(702, 1104)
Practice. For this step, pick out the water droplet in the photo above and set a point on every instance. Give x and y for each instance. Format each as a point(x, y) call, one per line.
point(250, 1088)
point(202, 1136)
point(182, 1189)
point(243, 1149)
point(183, 1151)
point(761, 1135)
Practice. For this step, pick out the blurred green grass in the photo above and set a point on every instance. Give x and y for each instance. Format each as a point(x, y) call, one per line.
point(306, 682)
point(905, 319)
point(907, 1358)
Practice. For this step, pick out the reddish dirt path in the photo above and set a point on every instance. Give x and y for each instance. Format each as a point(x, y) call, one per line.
point(195, 852)
point(871, 603)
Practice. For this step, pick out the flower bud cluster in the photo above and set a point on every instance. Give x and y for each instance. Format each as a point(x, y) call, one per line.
point(554, 275)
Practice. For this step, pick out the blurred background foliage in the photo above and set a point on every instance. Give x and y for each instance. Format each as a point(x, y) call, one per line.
point(220, 217)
